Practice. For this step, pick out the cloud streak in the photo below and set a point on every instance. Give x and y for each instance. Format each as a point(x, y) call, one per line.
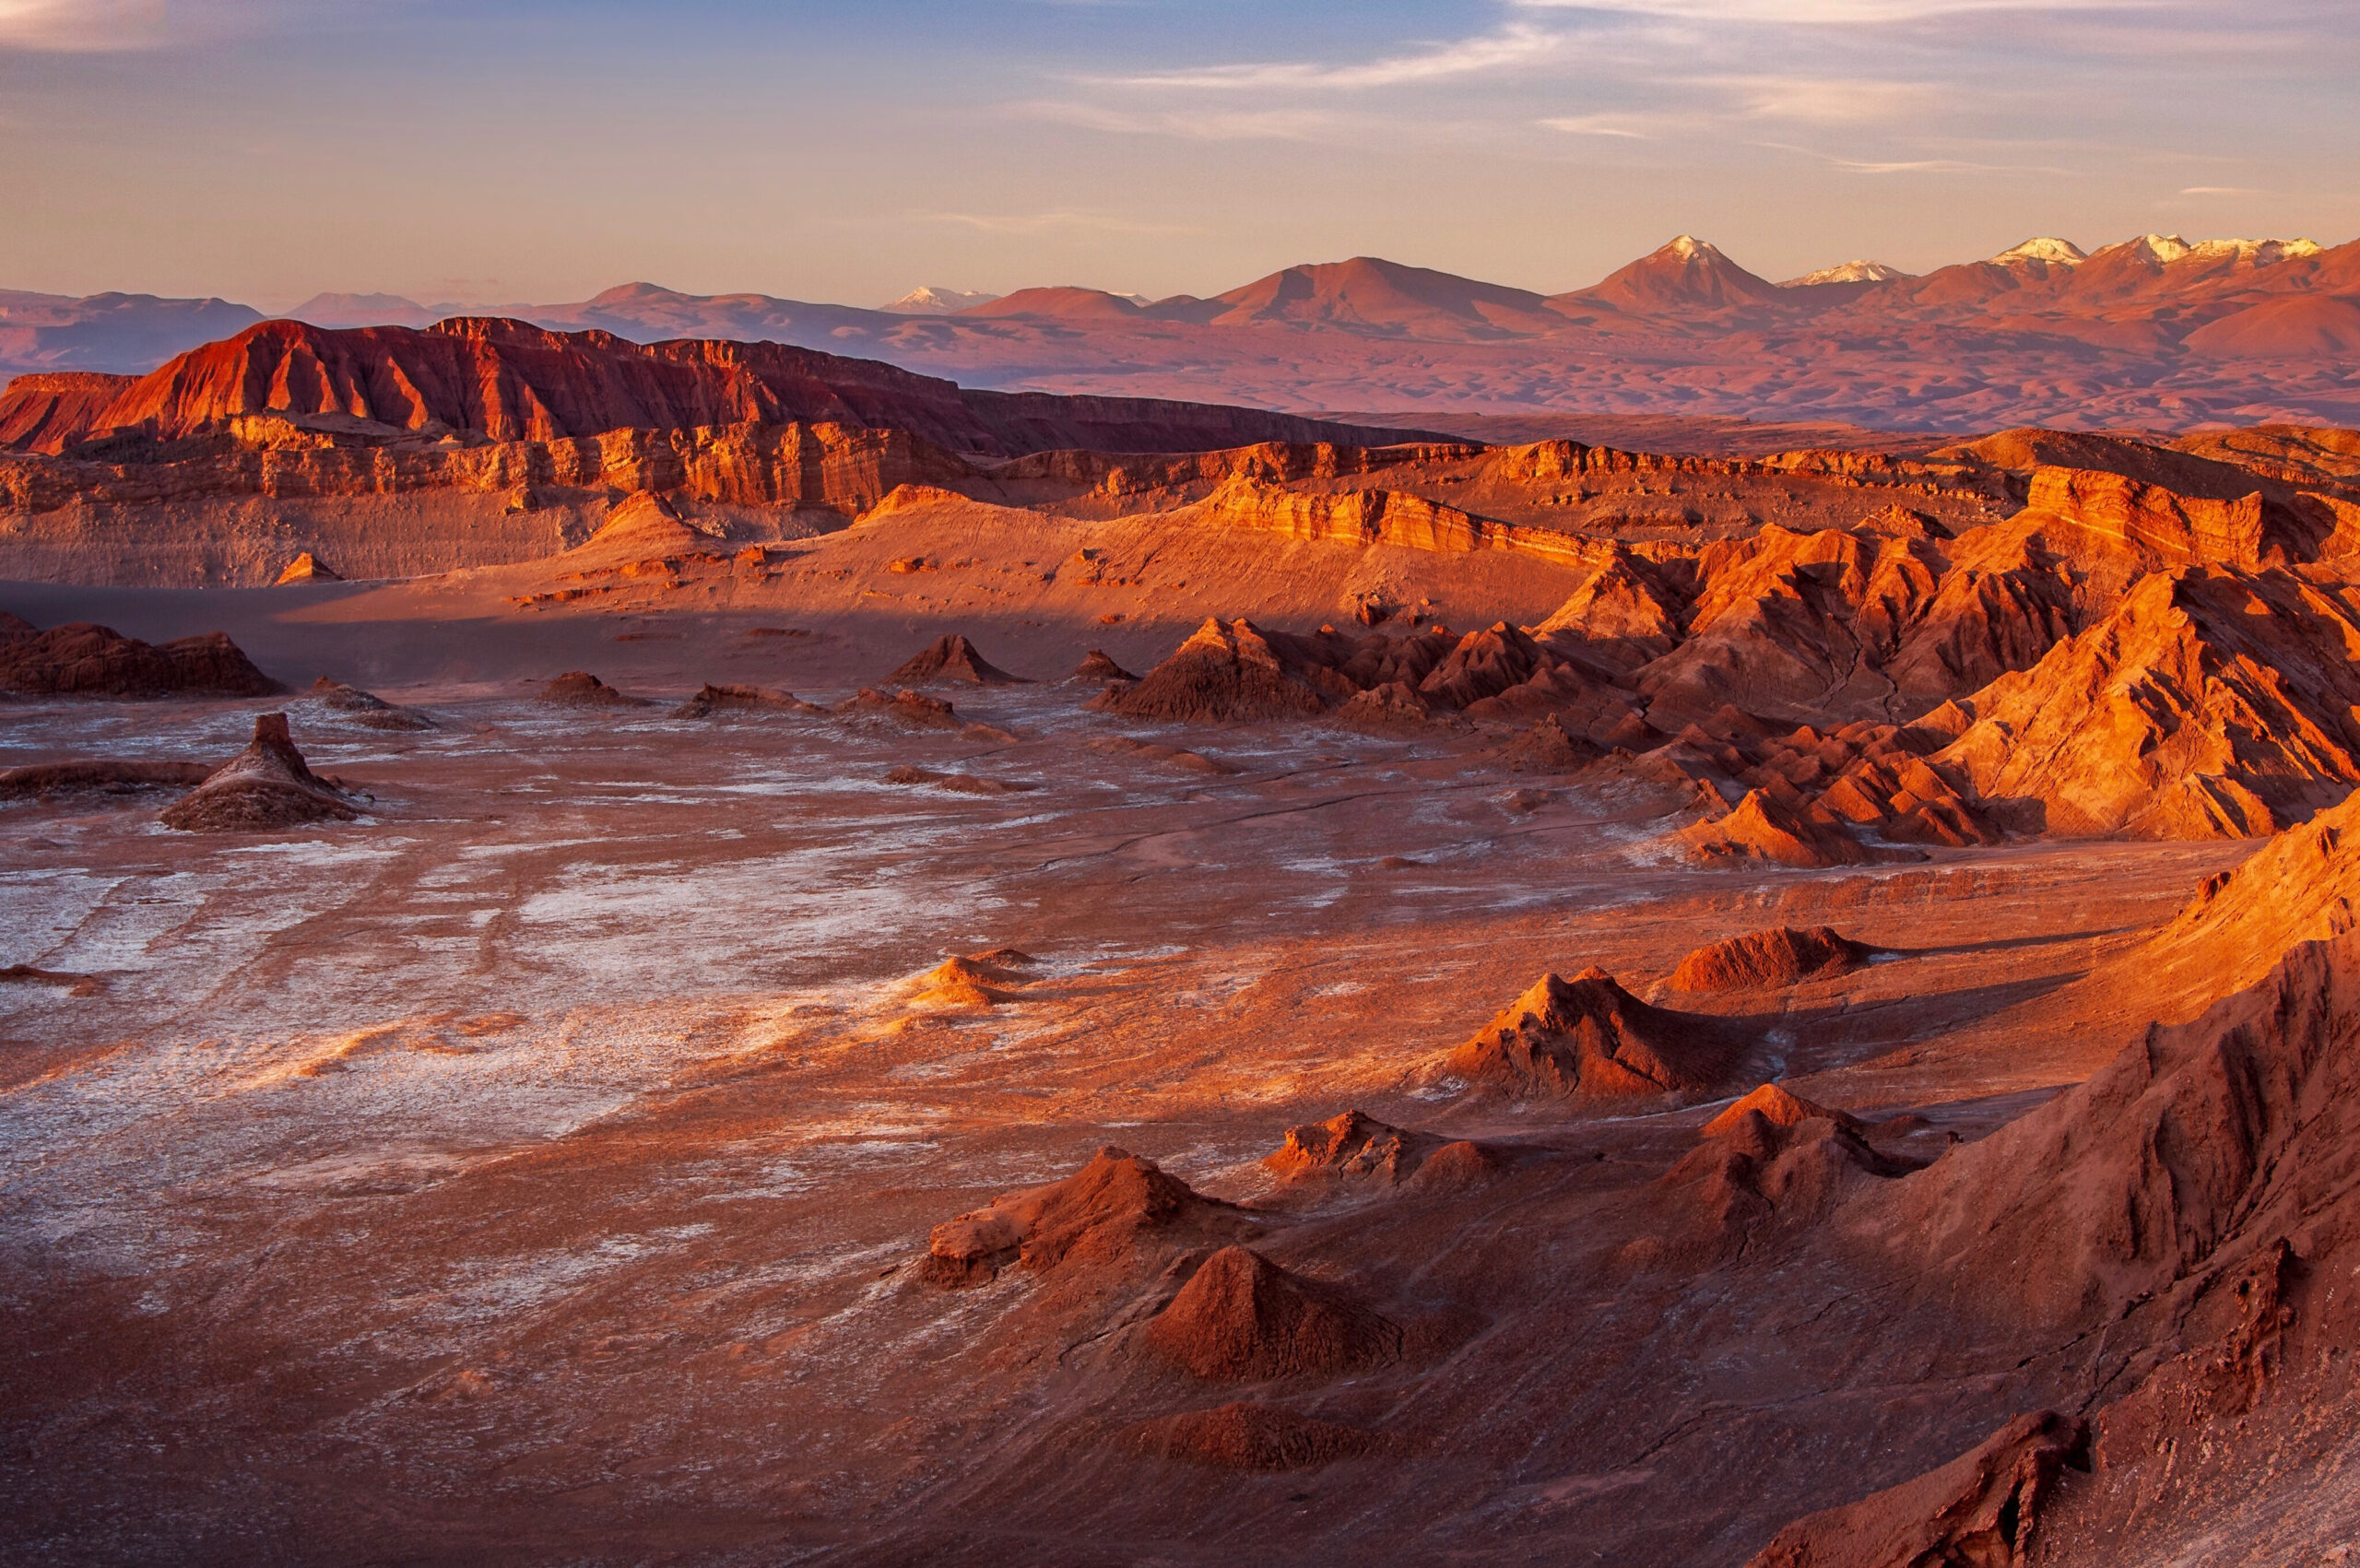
point(1518, 44)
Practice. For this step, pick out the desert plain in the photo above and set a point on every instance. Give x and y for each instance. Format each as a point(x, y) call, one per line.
point(709, 953)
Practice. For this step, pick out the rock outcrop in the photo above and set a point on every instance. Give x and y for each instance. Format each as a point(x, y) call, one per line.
point(1589, 1037)
point(266, 786)
point(1351, 1147)
point(307, 568)
point(580, 688)
point(1101, 1217)
point(714, 701)
point(366, 708)
point(86, 660)
point(1769, 959)
point(951, 657)
point(1232, 671)
point(509, 381)
point(1242, 1318)
point(1982, 1508)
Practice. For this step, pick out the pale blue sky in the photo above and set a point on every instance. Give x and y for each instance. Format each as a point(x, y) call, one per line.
point(504, 149)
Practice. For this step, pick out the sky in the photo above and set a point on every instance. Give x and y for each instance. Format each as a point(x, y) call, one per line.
point(496, 151)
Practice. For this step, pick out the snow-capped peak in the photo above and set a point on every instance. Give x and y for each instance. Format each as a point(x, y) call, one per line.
point(1847, 272)
point(2047, 248)
point(932, 300)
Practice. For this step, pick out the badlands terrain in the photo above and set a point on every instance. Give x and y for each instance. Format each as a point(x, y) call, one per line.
point(2154, 333)
point(708, 952)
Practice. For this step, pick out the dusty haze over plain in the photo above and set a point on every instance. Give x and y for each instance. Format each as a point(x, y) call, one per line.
point(512, 150)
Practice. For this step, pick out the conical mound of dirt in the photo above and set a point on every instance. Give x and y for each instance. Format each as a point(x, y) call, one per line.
point(1102, 1216)
point(1098, 664)
point(366, 709)
point(979, 982)
point(1241, 1318)
point(712, 702)
point(85, 660)
point(1353, 1146)
point(1247, 1436)
point(1980, 1508)
point(266, 786)
point(952, 657)
point(1779, 1108)
point(307, 568)
point(1762, 829)
point(580, 688)
point(1589, 1036)
point(1769, 959)
point(1232, 672)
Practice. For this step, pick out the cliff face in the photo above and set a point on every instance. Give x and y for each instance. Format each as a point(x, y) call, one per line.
point(751, 464)
point(516, 383)
point(39, 413)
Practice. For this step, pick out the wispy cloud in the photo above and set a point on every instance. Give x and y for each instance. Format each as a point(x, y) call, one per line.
point(1594, 125)
point(1821, 100)
point(1517, 44)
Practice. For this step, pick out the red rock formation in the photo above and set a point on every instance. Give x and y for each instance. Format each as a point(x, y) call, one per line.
point(1352, 1147)
point(1763, 829)
point(266, 786)
point(514, 382)
point(1589, 1037)
point(2211, 704)
point(40, 413)
point(1765, 960)
point(1241, 1317)
point(580, 688)
point(1779, 1108)
point(1098, 664)
point(952, 657)
point(366, 709)
point(1100, 1217)
point(1979, 1511)
point(83, 660)
point(1234, 671)
point(911, 710)
point(307, 568)
point(2303, 886)
point(712, 702)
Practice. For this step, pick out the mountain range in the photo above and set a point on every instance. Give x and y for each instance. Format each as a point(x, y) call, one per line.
point(2152, 332)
